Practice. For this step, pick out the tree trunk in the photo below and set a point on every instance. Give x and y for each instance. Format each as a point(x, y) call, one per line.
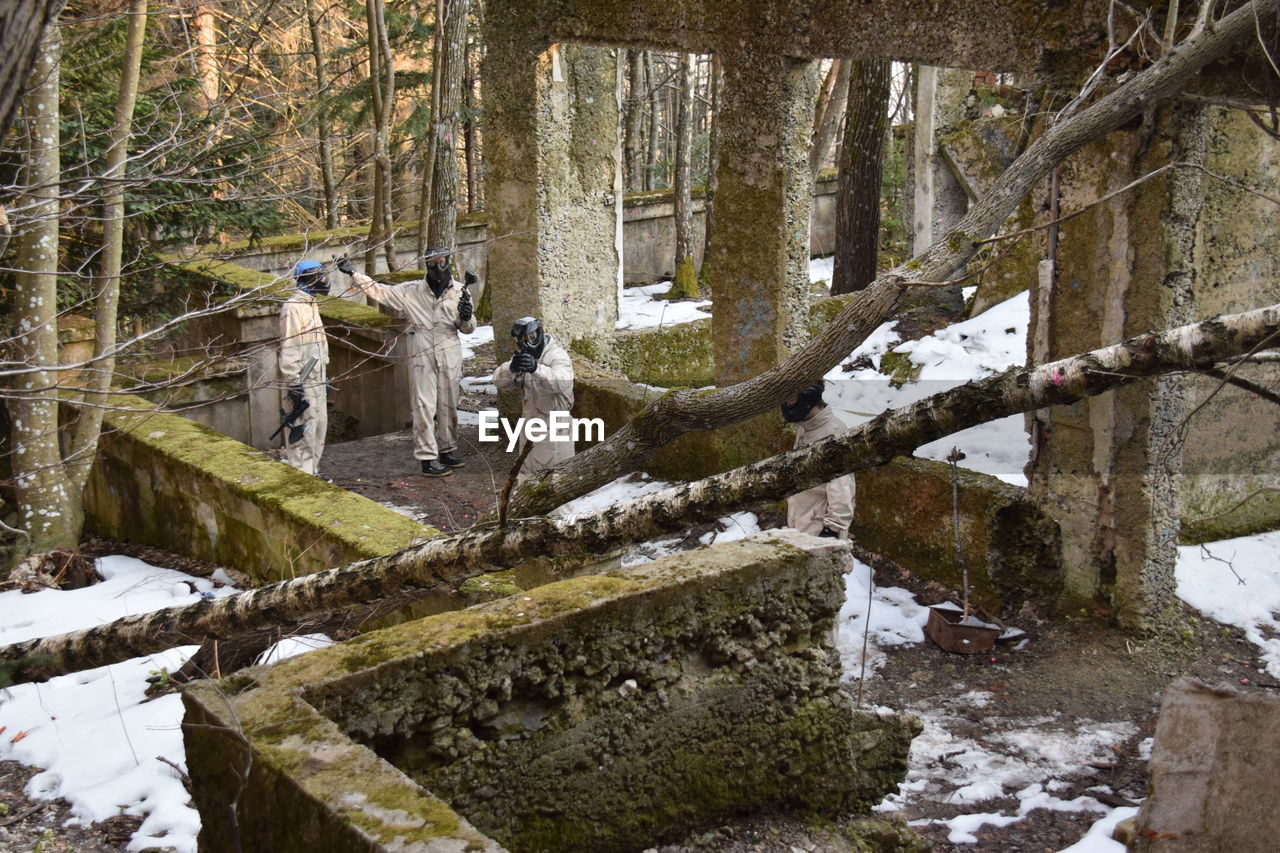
point(832, 109)
point(450, 559)
point(452, 30)
point(861, 167)
point(206, 53)
point(88, 427)
point(713, 162)
point(469, 128)
point(678, 412)
point(322, 118)
point(382, 84)
point(634, 112)
point(686, 277)
point(22, 26)
point(429, 149)
point(45, 506)
point(654, 136)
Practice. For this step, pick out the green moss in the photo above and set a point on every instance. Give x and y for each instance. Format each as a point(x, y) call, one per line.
point(401, 276)
point(671, 356)
point(362, 526)
point(685, 284)
point(899, 368)
point(270, 290)
point(490, 586)
point(1230, 517)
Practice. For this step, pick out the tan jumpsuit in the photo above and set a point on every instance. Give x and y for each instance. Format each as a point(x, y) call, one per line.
point(830, 504)
point(302, 336)
point(548, 389)
point(435, 357)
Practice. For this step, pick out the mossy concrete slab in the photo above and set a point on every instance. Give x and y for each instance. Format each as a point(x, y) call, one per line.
point(164, 480)
point(1010, 546)
point(600, 713)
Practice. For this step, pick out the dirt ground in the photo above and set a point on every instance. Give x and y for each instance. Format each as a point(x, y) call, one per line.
point(1070, 670)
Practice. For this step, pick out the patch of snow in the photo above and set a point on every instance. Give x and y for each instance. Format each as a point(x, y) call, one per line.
point(93, 734)
point(895, 619)
point(1237, 582)
point(1098, 838)
point(482, 335)
point(293, 646)
point(639, 308)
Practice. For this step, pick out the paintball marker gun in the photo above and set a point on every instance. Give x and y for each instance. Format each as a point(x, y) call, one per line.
point(289, 420)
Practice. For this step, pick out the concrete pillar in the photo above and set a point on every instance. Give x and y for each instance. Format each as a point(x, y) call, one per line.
point(1108, 468)
point(553, 193)
point(760, 245)
point(259, 340)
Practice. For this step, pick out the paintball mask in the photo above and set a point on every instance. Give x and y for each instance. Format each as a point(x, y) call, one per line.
point(309, 277)
point(529, 336)
point(437, 263)
point(794, 412)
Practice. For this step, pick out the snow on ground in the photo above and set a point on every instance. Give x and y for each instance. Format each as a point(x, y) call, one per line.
point(1237, 582)
point(1025, 762)
point(98, 740)
point(482, 335)
point(97, 737)
point(639, 308)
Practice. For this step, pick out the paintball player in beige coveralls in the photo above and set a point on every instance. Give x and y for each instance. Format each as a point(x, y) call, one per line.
point(544, 372)
point(438, 308)
point(301, 337)
point(825, 510)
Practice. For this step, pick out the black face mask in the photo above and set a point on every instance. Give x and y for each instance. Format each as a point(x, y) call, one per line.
point(437, 279)
point(314, 286)
point(794, 413)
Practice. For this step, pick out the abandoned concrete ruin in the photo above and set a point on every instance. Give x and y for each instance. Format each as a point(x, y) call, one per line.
point(611, 712)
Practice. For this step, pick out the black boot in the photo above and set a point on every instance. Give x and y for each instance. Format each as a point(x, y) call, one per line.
point(432, 468)
point(449, 460)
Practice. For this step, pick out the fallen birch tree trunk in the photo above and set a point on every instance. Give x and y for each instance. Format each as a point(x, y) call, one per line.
point(678, 412)
point(450, 559)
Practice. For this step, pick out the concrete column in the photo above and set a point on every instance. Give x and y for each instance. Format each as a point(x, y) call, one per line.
point(553, 194)
point(1108, 469)
point(760, 245)
point(259, 339)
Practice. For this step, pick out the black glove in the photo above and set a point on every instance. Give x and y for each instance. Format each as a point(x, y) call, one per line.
point(295, 395)
point(522, 362)
point(828, 533)
point(344, 265)
point(470, 278)
point(464, 305)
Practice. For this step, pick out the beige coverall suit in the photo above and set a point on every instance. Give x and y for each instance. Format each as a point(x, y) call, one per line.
point(435, 357)
point(830, 504)
point(302, 336)
point(548, 389)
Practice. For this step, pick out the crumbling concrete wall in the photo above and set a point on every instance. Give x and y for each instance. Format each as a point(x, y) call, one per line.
point(603, 713)
point(554, 187)
point(1231, 458)
point(1010, 545)
point(1170, 251)
point(1212, 772)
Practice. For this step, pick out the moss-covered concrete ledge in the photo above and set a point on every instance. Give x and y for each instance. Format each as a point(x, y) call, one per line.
point(601, 713)
point(164, 480)
point(1011, 546)
point(272, 289)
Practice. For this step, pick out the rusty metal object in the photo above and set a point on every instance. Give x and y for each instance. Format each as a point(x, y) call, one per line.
point(948, 627)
